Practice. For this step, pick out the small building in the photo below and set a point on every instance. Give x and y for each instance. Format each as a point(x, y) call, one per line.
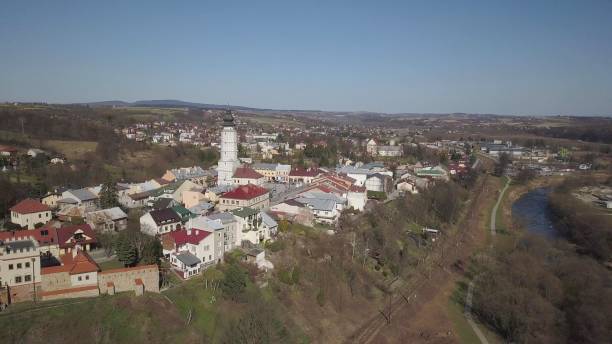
point(160, 221)
point(70, 237)
point(247, 175)
point(30, 212)
point(107, 220)
point(249, 195)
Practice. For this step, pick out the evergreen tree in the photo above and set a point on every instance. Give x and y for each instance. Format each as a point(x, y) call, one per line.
point(152, 252)
point(125, 251)
point(234, 282)
point(108, 194)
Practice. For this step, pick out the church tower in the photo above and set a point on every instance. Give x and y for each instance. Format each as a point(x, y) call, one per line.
point(229, 151)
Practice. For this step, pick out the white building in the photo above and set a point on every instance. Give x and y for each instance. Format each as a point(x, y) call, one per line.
point(30, 212)
point(229, 151)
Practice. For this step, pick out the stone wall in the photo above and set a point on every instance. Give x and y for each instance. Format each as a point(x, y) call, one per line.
point(125, 279)
point(23, 292)
point(71, 293)
point(55, 281)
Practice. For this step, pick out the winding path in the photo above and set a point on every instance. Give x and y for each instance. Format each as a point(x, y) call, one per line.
point(470, 293)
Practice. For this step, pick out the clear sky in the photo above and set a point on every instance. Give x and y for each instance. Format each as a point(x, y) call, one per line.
point(507, 57)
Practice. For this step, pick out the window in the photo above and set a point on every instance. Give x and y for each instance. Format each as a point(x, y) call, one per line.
point(39, 216)
point(80, 278)
point(10, 266)
point(18, 265)
point(27, 264)
point(17, 279)
point(28, 278)
point(87, 277)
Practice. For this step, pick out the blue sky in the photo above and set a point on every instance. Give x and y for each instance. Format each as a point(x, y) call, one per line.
point(507, 57)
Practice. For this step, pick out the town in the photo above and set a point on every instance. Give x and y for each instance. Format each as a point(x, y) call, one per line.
point(305, 172)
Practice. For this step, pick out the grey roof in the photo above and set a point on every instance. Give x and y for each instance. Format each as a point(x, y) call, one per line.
point(264, 166)
point(201, 207)
point(352, 170)
point(219, 189)
point(224, 217)
point(83, 194)
point(68, 200)
point(268, 220)
point(188, 258)
point(318, 203)
point(189, 172)
point(111, 213)
point(372, 165)
point(20, 244)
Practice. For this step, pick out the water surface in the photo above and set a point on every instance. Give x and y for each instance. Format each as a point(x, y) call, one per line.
point(533, 212)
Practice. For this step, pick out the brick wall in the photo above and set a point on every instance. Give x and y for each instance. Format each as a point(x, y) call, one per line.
point(55, 281)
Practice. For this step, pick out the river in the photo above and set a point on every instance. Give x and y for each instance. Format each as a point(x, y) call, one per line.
point(532, 211)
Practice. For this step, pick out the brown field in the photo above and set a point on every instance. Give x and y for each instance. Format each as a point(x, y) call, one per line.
point(71, 149)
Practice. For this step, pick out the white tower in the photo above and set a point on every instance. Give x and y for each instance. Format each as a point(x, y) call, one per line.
point(229, 151)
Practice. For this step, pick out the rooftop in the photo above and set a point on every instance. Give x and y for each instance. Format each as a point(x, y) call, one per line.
point(28, 206)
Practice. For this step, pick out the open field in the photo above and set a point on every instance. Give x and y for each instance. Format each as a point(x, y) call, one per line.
point(72, 149)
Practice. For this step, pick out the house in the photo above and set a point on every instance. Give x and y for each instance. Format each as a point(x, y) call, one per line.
point(390, 151)
point(250, 226)
point(163, 203)
point(71, 213)
point(29, 213)
point(378, 182)
point(192, 198)
point(293, 211)
point(20, 268)
point(357, 197)
point(183, 213)
point(34, 152)
point(214, 194)
point(82, 236)
point(81, 197)
point(51, 199)
point(371, 147)
point(107, 220)
point(134, 200)
point(303, 176)
point(246, 175)
point(8, 150)
point(433, 172)
point(45, 236)
point(227, 223)
point(326, 207)
point(202, 208)
point(257, 256)
point(195, 174)
point(160, 221)
point(273, 172)
point(249, 195)
point(190, 250)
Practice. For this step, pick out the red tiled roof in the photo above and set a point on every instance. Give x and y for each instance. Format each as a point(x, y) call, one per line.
point(182, 237)
point(45, 235)
point(248, 191)
point(247, 173)
point(355, 188)
point(28, 206)
point(80, 263)
point(65, 234)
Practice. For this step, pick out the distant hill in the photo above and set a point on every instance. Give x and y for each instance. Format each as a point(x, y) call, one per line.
point(171, 103)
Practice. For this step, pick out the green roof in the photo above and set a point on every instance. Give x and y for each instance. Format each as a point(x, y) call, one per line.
point(244, 212)
point(183, 212)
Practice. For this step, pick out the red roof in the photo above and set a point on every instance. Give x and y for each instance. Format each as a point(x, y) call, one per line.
point(65, 235)
point(248, 191)
point(45, 235)
point(300, 172)
point(247, 173)
point(79, 264)
point(28, 206)
point(184, 236)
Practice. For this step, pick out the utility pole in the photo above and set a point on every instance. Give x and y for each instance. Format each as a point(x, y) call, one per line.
point(34, 278)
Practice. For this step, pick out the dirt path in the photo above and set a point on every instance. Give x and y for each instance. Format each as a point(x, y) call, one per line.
point(419, 312)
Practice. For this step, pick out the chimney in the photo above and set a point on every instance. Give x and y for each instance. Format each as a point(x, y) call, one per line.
point(189, 231)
